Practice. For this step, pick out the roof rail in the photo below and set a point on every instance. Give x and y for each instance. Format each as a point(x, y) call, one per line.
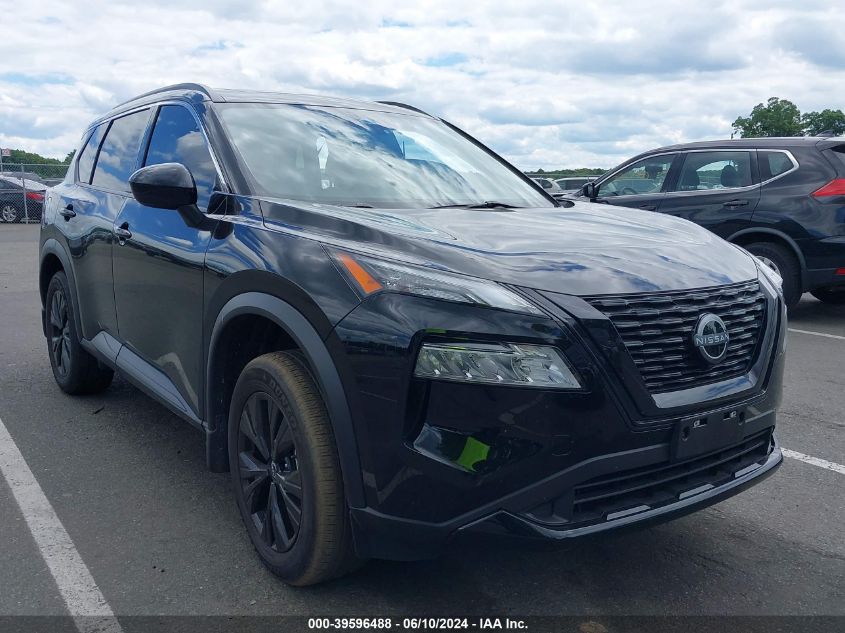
point(399, 104)
point(184, 86)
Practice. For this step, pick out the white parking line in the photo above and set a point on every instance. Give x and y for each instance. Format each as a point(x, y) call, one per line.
point(815, 461)
point(824, 334)
point(83, 598)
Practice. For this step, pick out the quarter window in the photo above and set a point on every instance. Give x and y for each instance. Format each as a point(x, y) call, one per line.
point(773, 164)
point(119, 151)
point(704, 171)
point(177, 138)
point(88, 154)
point(644, 177)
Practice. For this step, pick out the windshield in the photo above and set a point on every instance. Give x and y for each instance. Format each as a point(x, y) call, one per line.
point(360, 157)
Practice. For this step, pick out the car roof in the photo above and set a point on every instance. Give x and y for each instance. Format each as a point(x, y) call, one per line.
point(768, 142)
point(198, 93)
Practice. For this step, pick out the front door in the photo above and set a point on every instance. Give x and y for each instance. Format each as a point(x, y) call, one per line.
point(640, 185)
point(158, 263)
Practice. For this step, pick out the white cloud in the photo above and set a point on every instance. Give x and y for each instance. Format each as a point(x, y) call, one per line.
point(567, 83)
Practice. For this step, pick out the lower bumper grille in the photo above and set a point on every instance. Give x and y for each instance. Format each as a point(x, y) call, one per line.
point(623, 493)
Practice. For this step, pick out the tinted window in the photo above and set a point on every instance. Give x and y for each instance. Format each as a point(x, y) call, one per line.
point(703, 171)
point(644, 177)
point(119, 151)
point(177, 138)
point(838, 154)
point(346, 156)
point(773, 164)
point(89, 153)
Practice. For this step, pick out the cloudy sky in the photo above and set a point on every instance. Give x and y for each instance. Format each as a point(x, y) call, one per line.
point(548, 84)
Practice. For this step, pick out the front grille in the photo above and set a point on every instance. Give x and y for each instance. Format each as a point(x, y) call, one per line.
point(629, 492)
point(657, 330)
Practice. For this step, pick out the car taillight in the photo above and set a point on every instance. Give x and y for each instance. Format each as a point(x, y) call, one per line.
point(835, 187)
point(34, 195)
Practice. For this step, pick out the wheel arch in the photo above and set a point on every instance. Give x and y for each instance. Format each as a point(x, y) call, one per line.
point(321, 364)
point(758, 234)
point(52, 259)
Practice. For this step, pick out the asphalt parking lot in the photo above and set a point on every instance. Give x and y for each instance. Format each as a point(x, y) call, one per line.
point(162, 536)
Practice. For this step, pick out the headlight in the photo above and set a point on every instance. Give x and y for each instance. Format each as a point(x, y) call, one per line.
point(496, 363)
point(372, 275)
point(771, 276)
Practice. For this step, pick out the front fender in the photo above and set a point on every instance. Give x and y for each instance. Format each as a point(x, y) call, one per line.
point(325, 373)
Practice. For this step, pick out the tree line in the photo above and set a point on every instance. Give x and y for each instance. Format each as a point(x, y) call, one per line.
point(22, 157)
point(781, 117)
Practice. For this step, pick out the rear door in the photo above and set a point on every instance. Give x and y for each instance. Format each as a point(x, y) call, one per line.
point(158, 267)
point(87, 208)
point(640, 185)
point(718, 189)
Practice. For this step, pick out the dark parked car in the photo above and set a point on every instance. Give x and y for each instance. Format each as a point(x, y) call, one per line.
point(21, 199)
point(783, 199)
point(389, 336)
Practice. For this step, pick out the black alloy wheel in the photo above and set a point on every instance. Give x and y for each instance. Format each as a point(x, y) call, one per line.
point(269, 475)
point(75, 370)
point(59, 332)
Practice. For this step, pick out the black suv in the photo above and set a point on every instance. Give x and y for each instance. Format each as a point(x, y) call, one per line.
point(390, 336)
point(783, 199)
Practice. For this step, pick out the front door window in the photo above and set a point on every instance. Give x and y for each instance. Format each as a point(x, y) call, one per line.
point(645, 177)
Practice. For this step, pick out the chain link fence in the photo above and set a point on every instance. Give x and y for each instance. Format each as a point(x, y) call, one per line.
point(22, 190)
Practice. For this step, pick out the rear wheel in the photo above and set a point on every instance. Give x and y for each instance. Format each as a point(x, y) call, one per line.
point(286, 472)
point(9, 212)
point(834, 295)
point(75, 370)
point(782, 261)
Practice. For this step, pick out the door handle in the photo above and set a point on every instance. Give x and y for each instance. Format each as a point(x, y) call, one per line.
point(123, 233)
point(67, 213)
point(648, 207)
point(736, 203)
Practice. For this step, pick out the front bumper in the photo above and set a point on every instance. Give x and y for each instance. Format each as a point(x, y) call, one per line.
point(441, 459)
point(633, 488)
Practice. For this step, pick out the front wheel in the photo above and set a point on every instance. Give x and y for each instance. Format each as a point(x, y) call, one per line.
point(286, 472)
point(834, 295)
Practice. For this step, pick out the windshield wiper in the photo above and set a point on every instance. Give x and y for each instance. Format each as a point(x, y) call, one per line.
point(487, 204)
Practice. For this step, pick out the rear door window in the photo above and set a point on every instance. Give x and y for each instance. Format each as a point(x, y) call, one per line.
point(177, 138)
point(706, 171)
point(88, 154)
point(118, 155)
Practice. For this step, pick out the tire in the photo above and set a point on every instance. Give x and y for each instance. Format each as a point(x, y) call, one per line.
point(787, 266)
point(284, 464)
point(75, 370)
point(9, 212)
point(833, 295)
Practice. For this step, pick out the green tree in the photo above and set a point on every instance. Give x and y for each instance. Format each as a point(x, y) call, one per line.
point(778, 117)
point(830, 121)
point(69, 157)
point(29, 158)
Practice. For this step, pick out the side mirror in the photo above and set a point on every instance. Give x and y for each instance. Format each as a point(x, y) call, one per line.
point(590, 191)
point(164, 186)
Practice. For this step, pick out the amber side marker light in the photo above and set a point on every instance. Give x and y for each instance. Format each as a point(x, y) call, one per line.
point(365, 280)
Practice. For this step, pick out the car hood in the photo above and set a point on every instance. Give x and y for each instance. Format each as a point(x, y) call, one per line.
point(585, 249)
